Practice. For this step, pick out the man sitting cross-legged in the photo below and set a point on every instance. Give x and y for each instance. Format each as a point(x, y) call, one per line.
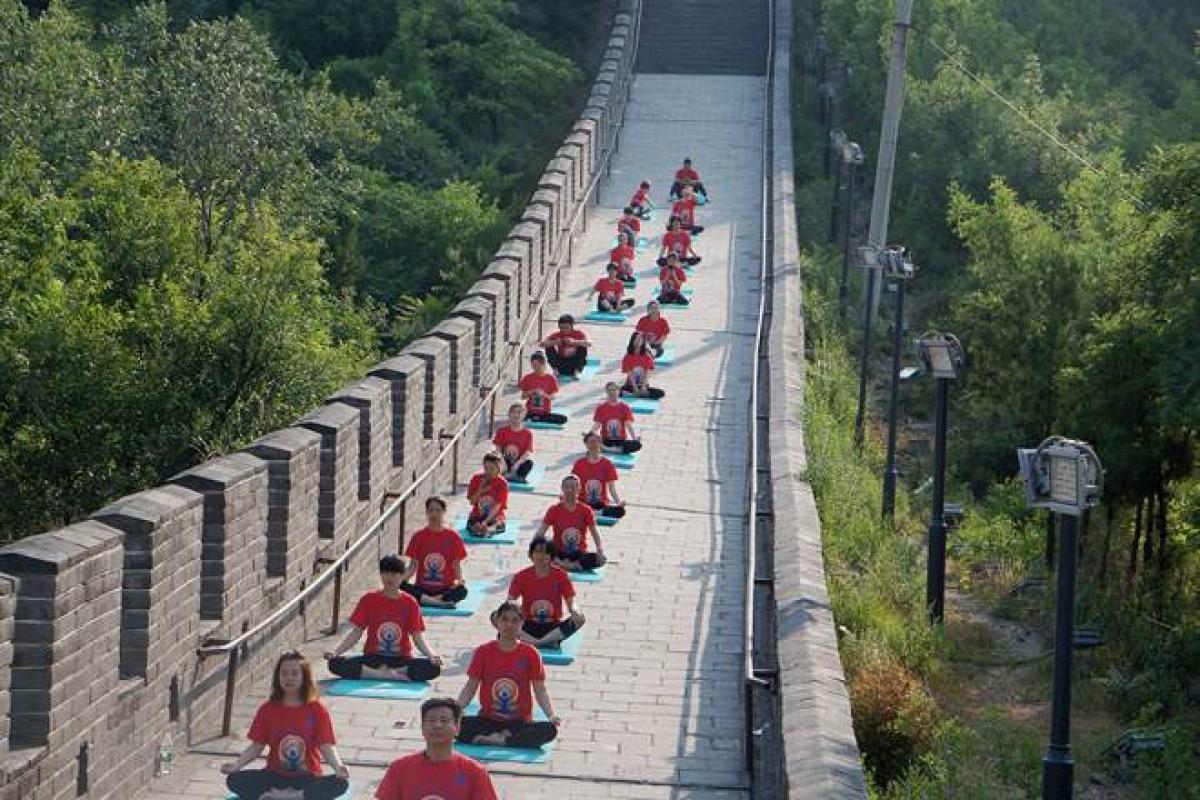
point(543, 590)
point(437, 771)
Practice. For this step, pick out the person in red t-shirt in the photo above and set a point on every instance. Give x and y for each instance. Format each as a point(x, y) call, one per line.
point(623, 255)
point(487, 493)
point(296, 727)
point(610, 293)
point(515, 443)
point(687, 176)
point(637, 364)
point(508, 674)
point(437, 771)
point(566, 348)
point(677, 241)
point(641, 203)
point(630, 226)
point(435, 554)
point(654, 327)
point(572, 520)
point(390, 618)
point(543, 590)
point(538, 390)
point(684, 210)
point(670, 283)
point(598, 480)
point(613, 420)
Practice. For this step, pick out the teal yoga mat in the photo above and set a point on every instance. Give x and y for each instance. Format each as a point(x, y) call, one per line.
point(381, 690)
point(543, 426)
point(605, 316)
point(505, 755)
point(643, 405)
point(606, 522)
point(623, 460)
point(533, 479)
point(595, 576)
point(348, 794)
point(667, 358)
point(590, 369)
point(509, 536)
point(475, 592)
point(564, 655)
point(473, 709)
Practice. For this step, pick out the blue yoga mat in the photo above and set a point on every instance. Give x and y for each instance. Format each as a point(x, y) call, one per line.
point(505, 755)
point(533, 479)
point(349, 793)
point(605, 316)
point(623, 460)
point(595, 576)
point(590, 369)
point(701, 199)
point(382, 690)
point(564, 655)
point(475, 592)
point(606, 522)
point(642, 405)
point(538, 425)
point(509, 536)
point(667, 358)
point(473, 709)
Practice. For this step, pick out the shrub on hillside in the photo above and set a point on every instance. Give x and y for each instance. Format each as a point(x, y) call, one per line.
point(895, 719)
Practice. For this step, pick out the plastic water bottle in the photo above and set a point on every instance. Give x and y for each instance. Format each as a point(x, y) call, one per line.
point(166, 755)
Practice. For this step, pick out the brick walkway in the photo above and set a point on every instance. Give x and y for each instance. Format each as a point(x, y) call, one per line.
point(653, 706)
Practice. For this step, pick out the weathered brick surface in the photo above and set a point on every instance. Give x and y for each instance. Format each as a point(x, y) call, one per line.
point(496, 293)
point(435, 353)
point(572, 151)
point(547, 200)
point(338, 505)
point(556, 179)
point(529, 234)
point(586, 129)
point(517, 253)
point(581, 142)
point(293, 458)
point(518, 303)
point(406, 376)
point(8, 608)
point(459, 335)
point(478, 311)
point(372, 397)
point(538, 216)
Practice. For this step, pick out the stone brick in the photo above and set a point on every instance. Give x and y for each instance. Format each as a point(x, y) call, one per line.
point(530, 236)
point(516, 252)
point(549, 204)
point(406, 375)
point(518, 307)
point(538, 217)
point(495, 292)
point(435, 353)
point(478, 312)
point(581, 141)
point(459, 335)
point(338, 505)
point(372, 397)
point(587, 130)
point(293, 458)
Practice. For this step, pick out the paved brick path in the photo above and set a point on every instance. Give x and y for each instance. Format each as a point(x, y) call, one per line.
point(653, 707)
point(703, 37)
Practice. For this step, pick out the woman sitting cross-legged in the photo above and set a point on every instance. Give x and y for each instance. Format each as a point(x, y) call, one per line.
point(610, 293)
point(393, 623)
point(613, 420)
point(488, 495)
point(295, 726)
point(543, 590)
point(623, 256)
point(538, 389)
point(572, 520)
point(654, 327)
point(515, 443)
point(508, 674)
point(671, 279)
point(637, 365)
point(598, 479)
point(435, 555)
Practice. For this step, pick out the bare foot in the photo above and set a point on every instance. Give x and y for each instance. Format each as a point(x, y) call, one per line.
point(499, 738)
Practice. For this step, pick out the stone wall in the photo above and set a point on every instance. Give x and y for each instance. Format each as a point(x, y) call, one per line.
point(100, 621)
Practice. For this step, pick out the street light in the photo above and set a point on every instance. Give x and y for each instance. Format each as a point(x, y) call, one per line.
point(897, 265)
point(1065, 477)
point(837, 141)
point(852, 157)
point(942, 357)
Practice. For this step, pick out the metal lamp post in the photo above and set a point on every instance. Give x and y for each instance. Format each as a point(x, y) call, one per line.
point(899, 267)
point(837, 143)
point(1065, 477)
point(942, 356)
point(852, 158)
point(870, 264)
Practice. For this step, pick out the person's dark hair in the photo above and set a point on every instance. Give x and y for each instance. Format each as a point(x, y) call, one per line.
point(628, 209)
point(687, 161)
point(394, 563)
point(494, 456)
point(505, 607)
point(308, 689)
point(517, 407)
point(537, 355)
point(612, 267)
point(572, 478)
point(567, 318)
point(637, 343)
point(613, 384)
point(435, 501)
point(587, 437)
point(541, 543)
point(442, 702)
point(673, 221)
point(645, 185)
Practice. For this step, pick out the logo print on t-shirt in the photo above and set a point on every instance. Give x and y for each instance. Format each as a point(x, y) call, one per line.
point(485, 504)
point(639, 374)
point(592, 490)
point(511, 452)
point(504, 696)
point(291, 752)
point(613, 428)
point(435, 567)
point(535, 399)
point(388, 637)
point(571, 539)
point(541, 609)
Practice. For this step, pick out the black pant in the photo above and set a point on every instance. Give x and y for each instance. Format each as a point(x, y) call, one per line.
point(651, 392)
point(605, 307)
point(657, 348)
point(418, 669)
point(586, 561)
point(691, 261)
point(551, 418)
point(642, 212)
point(696, 230)
point(570, 365)
point(523, 470)
point(520, 733)
point(455, 595)
point(615, 512)
point(250, 784)
point(540, 630)
point(476, 519)
point(671, 298)
point(677, 189)
point(625, 445)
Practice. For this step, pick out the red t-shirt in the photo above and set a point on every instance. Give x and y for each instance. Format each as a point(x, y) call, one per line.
point(563, 341)
point(685, 209)
point(570, 525)
point(436, 553)
point(629, 222)
point(686, 174)
point(637, 366)
point(677, 242)
point(496, 495)
point(672, 277)
point(389, 622)
point(542, 598)
point(294, 735)
point(540, 388)
point(594, 478)
point(415, 777)
point(640, 197)
point(655, 330)
point(622, 255)
point(611, 289)
point(612, 418)
point(505, 691)
point(513, 443)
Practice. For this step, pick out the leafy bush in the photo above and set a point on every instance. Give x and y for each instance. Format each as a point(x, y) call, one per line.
point(895, 719)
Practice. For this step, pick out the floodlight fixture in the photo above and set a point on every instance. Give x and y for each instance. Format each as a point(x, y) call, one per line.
point(1063, 475)
point(941, 355)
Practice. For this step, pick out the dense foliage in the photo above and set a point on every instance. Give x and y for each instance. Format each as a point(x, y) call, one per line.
point(213, 213)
